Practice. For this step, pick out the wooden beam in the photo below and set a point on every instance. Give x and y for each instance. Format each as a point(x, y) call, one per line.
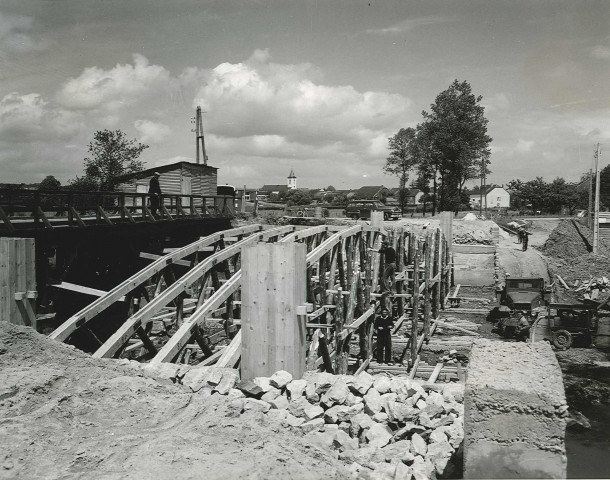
point(435, 373)
point(7, 221)
point(230, 356)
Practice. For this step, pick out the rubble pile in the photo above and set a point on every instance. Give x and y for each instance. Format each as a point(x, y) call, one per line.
point(591, 288)
point(385, 427)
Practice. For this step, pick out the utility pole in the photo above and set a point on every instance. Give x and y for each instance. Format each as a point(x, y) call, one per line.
point(481, 186)
point(596, 219)
point(590, 211)
point(199, 139)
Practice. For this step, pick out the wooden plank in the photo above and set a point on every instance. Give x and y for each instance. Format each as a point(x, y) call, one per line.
point(44, 218)
point(7, 221)
point(73, 287)
point(213, 358)
point(104, 215)
point(312, 351)
point(273, 285)
point(455, 327)
point(413, 371)
point(435, 373)
point(415, 310)
point(427, 291)
point(230, 355)
point(152, 256)
point(363, 366)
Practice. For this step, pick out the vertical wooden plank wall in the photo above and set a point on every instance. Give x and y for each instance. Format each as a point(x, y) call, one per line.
point(17, 274)
point(273, 286)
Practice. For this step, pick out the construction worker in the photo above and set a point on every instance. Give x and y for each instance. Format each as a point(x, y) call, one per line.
point(383, 326)
point(520, 235)
point(525, 239)
point(154, 190)
point(522, 331)
point(387, 281)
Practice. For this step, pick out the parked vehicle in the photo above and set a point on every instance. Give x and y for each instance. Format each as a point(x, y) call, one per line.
point(361, 210)
point(565, 324)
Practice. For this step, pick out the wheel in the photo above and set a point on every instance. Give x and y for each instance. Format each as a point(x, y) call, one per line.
point(355, 217)
point(300, 213)
point(562, 339)
point(386, 216)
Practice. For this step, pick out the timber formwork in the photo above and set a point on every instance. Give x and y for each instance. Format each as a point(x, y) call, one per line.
point(185, 319)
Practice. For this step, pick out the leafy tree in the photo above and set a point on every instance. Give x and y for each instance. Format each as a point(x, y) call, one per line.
point(340, 198)
point(50, 183)
point(455, 144)
point(111, 156)
point(401, 161)
point(330, 188)
point(298, 197)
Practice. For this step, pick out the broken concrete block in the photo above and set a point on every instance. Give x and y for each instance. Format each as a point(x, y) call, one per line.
point(235, 408)
point(296, 388)
point(438, 435)
point(313, 411)
point(252, 404)
point(344, 426)
point(403, 472)
point(382, 384)
point(372, 402)
point(310, 392)
point(229, 378)
point(332, 414)
point(250, 389)
point(215, 376)
point(419, 469)
point(195, 378)
point(421, 404)
point(389, 397)
point(166, 371)
point(398, 384)
point(234, 394)
point(313, 425)
point(280, 379)
point(394, 411)
point(292, 421)
point(380, 417)
point(322, 380)
point(359, 422)
point(456, 390)
point(365, 456)
point(322, 440)
point(262, 382)
point(271, 394)
point(396, 450)
point(297, 407)
point(439, 455)
point(435, 398)
point(424, 420)
point(352, 399)
point(362, 383)
point(346, 415)
point(408, 429)
point(336, 394)
point(279, 403)
point(342, 442)
point(418, 445)
point(378, 435)
point(277, 415)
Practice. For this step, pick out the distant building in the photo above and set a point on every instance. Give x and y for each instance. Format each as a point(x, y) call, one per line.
point(497, 197)
point(414, 196)
point(292, 180)
point(370, 192)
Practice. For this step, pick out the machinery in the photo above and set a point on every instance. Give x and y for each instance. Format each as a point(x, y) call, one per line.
point(361, 209)
point(565, 324)
point(518, 295)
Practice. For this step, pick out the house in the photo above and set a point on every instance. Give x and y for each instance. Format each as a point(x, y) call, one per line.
point(414, 196)
point(371, 192)
point(180, 178)
point(266, 190)
point(497, 197)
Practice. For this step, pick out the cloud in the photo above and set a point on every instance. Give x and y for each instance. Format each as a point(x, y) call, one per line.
point(524, 145)
point(407, 25)
point(13, 36)
point(119, 87)
point(601, 52)
point(152, 132)
point(26, 118)
point(496, 102)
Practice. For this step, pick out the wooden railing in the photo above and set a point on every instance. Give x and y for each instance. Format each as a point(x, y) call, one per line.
point(46, 208)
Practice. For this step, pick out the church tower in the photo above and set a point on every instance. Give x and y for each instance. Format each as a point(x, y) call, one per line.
point(292, 180)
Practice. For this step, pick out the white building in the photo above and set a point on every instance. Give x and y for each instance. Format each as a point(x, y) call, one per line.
point(292, 180)
point(497, 197)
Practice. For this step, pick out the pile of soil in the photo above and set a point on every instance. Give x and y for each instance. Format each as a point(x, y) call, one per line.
point(66, 415)
point(568, 253)
point(586, 376)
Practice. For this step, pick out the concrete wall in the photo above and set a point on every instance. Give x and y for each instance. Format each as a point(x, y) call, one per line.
point(474, 264)
point(515, 409)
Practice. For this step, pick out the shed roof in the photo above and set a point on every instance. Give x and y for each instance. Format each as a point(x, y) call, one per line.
point(166, 168)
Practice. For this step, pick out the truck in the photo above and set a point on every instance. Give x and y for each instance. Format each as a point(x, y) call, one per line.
point(565, 324)
point(361, 210)
point(519, 294)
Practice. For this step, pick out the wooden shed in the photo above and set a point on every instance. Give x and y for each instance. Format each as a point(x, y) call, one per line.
point(180, 178)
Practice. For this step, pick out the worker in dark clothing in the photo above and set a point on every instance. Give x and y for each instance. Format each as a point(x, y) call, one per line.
point(522, 332)
point(520, 235)
point(387, 281)
point(383, 326)
point(154, 190)
point(525, 239)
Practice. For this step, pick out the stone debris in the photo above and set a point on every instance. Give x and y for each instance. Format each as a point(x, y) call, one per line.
point(382, 427)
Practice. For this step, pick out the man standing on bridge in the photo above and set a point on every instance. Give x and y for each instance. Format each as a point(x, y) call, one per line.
point(387, 281)
point(383, 327)
point(525, 239)
point(154, 190)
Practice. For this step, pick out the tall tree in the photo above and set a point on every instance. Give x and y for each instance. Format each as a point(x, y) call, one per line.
point(456, 140)
point(112, 155)
point(401, 161)
point(50, 183)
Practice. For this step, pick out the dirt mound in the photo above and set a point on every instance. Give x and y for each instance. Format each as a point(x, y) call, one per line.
point(66, 415)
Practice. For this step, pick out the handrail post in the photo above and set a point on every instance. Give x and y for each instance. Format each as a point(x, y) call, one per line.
point(35, 208)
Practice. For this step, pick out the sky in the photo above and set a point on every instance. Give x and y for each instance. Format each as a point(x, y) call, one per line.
point(316, 86)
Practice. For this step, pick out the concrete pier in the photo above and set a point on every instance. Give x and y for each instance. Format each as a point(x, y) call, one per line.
point(515, 409)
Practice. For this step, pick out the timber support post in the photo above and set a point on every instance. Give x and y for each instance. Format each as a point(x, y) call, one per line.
point(273, 287)
point(18, 281)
